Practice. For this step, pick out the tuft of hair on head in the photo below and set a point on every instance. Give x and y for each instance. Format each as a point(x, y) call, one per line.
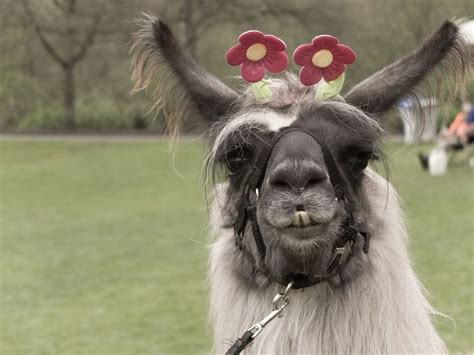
point(439, 69)
point(287, 92)
point(187, 94)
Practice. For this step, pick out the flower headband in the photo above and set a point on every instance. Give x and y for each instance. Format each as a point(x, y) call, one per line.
point(256, 53)
point(322, 58)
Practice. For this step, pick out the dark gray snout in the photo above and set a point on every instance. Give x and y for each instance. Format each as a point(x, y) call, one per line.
point(297, 191)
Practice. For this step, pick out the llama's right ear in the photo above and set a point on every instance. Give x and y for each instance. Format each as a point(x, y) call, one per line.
point(439, 67)
point(184, 90)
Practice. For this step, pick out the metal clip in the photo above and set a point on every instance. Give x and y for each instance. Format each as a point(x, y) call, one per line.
point(280, 301)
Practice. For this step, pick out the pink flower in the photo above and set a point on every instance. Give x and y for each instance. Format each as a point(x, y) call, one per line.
point(324, 58)
point(257, 52)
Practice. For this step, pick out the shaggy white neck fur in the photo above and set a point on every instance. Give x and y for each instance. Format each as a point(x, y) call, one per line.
point(382, 311)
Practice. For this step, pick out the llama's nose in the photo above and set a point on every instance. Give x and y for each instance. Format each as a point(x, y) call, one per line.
point(299, 177)
point(299, 205)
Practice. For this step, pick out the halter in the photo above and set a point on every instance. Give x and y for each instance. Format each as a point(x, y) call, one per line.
point(247, 212)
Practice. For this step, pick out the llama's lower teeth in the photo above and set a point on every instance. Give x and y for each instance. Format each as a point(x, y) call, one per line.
point(305, 218)
point(301, 219)
point(296, 219)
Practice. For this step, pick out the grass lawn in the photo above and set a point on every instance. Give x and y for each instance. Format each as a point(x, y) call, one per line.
point(103, 246)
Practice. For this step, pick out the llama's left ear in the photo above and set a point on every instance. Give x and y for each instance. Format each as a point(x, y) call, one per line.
point(186, 92)
point(440, 66)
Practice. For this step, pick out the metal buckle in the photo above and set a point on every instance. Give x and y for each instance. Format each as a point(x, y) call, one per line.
point(280, 301)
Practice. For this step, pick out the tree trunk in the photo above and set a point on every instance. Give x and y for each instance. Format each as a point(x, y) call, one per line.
point(69, 97)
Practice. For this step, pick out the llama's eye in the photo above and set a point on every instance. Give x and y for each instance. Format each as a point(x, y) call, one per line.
point(359, 163)
point(234, 159)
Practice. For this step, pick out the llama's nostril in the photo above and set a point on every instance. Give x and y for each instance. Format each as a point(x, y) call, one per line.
point(300, 207)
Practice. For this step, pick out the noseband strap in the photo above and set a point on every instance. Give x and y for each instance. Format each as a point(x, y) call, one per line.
point(247, 212)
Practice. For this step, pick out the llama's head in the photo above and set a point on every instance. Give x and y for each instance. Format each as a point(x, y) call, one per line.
point(299, 215)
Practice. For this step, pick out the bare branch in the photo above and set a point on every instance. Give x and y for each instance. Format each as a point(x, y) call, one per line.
point(66, 6)
point(44, 41)
point(71, 6)
point(88, 41)
point(59, 4)
point(70, 32)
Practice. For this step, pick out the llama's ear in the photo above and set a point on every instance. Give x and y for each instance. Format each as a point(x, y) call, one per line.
point(185, 91)
point(439, 67)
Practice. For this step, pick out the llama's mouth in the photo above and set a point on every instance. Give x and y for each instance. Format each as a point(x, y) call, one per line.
point(302, 220)
point(304, 226)
point(313, 228)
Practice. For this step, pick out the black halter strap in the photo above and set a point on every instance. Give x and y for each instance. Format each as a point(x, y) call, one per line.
point(247, 212)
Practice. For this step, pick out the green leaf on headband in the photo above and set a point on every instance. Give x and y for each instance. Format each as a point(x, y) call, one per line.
point(328, 90)
point(261, 91)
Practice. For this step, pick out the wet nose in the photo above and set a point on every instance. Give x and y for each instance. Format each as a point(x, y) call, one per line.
point(299, 176)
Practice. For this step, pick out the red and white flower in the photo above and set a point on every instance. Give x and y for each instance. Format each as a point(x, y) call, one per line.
point(324, 58)
point(256, 53)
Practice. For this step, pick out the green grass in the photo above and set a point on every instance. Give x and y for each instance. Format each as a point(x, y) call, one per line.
point(440, 216)
point(102, 247)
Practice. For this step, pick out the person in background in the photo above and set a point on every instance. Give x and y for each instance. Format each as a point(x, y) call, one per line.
point(459, 133)
point(462, 125)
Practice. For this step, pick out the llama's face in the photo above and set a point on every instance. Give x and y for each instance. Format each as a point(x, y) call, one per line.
point(298, 213)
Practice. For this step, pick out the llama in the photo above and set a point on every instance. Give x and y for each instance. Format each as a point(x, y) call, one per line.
point(375, 303)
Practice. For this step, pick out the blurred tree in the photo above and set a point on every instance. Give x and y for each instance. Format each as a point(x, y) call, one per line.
point(42, 40)
point(74, 39)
